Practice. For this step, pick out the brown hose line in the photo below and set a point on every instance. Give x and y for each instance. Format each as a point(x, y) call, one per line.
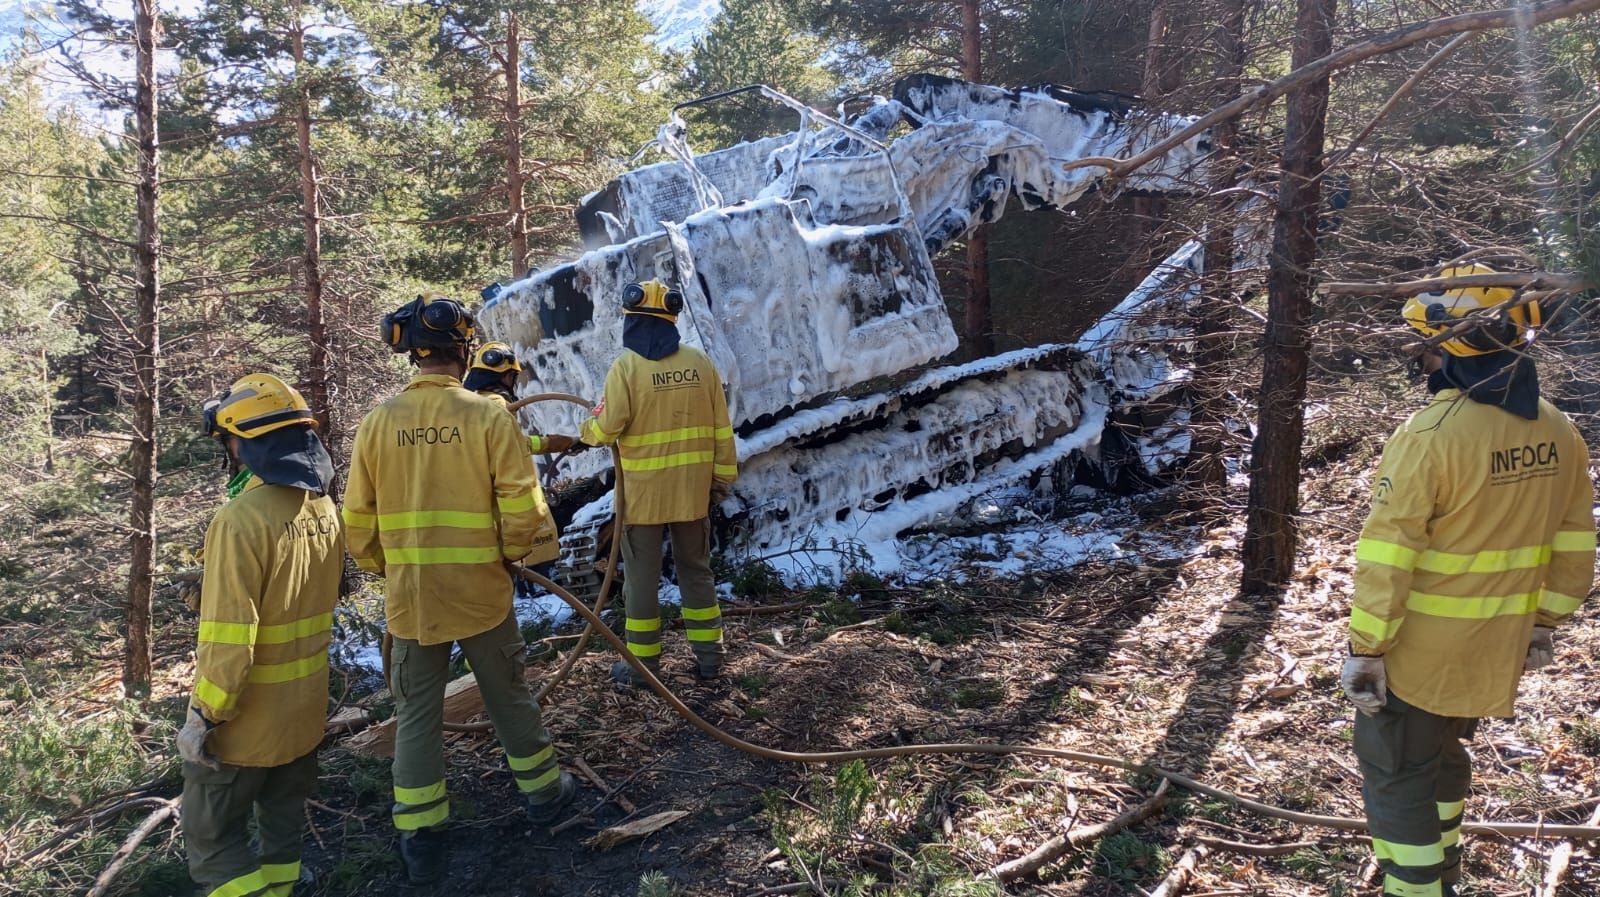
point(577, 650)
point(1510, 829)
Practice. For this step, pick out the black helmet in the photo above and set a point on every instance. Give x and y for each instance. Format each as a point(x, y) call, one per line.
point(430, 321)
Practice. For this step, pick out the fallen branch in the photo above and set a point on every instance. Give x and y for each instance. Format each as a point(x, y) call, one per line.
point(120, 858)
point(85, 822)
point(1060, 845)
point(612, 794)
point(1178, 876)
point(1257, 850)
point(1560, 859)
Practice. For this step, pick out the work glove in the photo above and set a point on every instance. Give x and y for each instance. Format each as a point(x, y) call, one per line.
point(719, 494)
point(1542, 649)
point(555, 445)
point(1365, 683)
point(192, 741)
point(186, 587)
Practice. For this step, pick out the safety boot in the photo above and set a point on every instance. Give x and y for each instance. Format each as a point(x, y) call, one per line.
point(424, 851)
point(622, 674)
point(707, 672)
point(545, 811)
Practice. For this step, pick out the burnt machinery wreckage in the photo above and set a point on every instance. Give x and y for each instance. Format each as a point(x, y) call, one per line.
point(805, 261)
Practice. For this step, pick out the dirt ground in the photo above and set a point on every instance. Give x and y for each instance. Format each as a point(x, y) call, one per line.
point(1153, 659)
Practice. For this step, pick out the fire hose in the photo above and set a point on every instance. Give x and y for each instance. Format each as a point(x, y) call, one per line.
point(593, 624)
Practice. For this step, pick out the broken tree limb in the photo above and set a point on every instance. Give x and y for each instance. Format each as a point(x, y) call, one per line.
point(1178, 876)
point(1560, 860)
point(612, 794)
point(462, 701)
point(119, 859)
point(1536, 280)
point(1257, 850)
point(1404, 90)
point(1344, 57)
point(621, 834)
point(1057, 847)
point(84, 822)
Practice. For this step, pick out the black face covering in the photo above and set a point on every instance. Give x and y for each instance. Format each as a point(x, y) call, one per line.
point(290, 456)
point(479, 380)
point(654, 338)
point(1504, 379)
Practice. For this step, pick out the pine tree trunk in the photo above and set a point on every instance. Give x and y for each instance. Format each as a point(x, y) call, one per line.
point(1272, 531)
point(146, 355)
point(1206, 472)
point(311, 260)
point(515, 179)
point(979, 321)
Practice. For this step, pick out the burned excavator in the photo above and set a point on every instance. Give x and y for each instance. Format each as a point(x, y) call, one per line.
point(806, 264)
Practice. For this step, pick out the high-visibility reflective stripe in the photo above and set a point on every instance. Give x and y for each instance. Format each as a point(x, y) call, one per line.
point(1476, 607)
point(662, 437)
point(400, 520)
point(528, 764)
point(279, 873)
point(724, 433)
point(1452, 809)
point(274, 673)
point(1493, 561)
point(704, 635)
point(1557, 603)
point(427, 794)
point(429, 556)
point(239, 887)
point(1381, 552)
point(411, 821)
point(283, 633)
point(1372, 625)
point(1574, 540)
point(725, 470)
point(1399, 887)
point(220, 633)
point(213, 696)
point(356, 518)
point(638, 650)
point(515, 504)
point(1450, 837)
point(677, 459)
point(1416, 856)
point(702, 613)
point(539, 782)
point(536, 443)
point(647, 624)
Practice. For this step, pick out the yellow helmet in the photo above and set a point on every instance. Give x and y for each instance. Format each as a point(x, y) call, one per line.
point(1433, 313)
point(495, 356)
point(256, 404)
point(654, 298)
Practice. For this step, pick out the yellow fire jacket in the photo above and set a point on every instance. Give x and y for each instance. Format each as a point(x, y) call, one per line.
point(1481, 525)
point(670, 420)
point(274, 556)
point(441, 493)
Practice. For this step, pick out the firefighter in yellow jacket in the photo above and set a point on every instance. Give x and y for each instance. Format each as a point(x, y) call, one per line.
point(1479, 543)
point(273, 558)
point(665, 408)
point(441, 495)
point(493, 375)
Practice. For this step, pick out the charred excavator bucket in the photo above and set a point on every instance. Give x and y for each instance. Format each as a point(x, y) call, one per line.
point(805, 263)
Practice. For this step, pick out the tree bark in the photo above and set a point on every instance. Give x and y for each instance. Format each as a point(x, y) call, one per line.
point(515, 178)
point(979, 319)
point(146, 356)
point(1207, 448)
point(311, 260)
point(1271, 530)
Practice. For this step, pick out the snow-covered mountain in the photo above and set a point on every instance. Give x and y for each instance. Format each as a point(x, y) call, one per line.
point(679, 22)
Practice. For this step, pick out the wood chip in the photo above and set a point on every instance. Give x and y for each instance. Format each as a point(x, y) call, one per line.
point(621, 834)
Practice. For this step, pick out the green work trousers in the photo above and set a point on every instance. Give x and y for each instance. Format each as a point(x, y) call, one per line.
point(691, 556)
point(1415, 773)
point(216, 826)
point(418, 675)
